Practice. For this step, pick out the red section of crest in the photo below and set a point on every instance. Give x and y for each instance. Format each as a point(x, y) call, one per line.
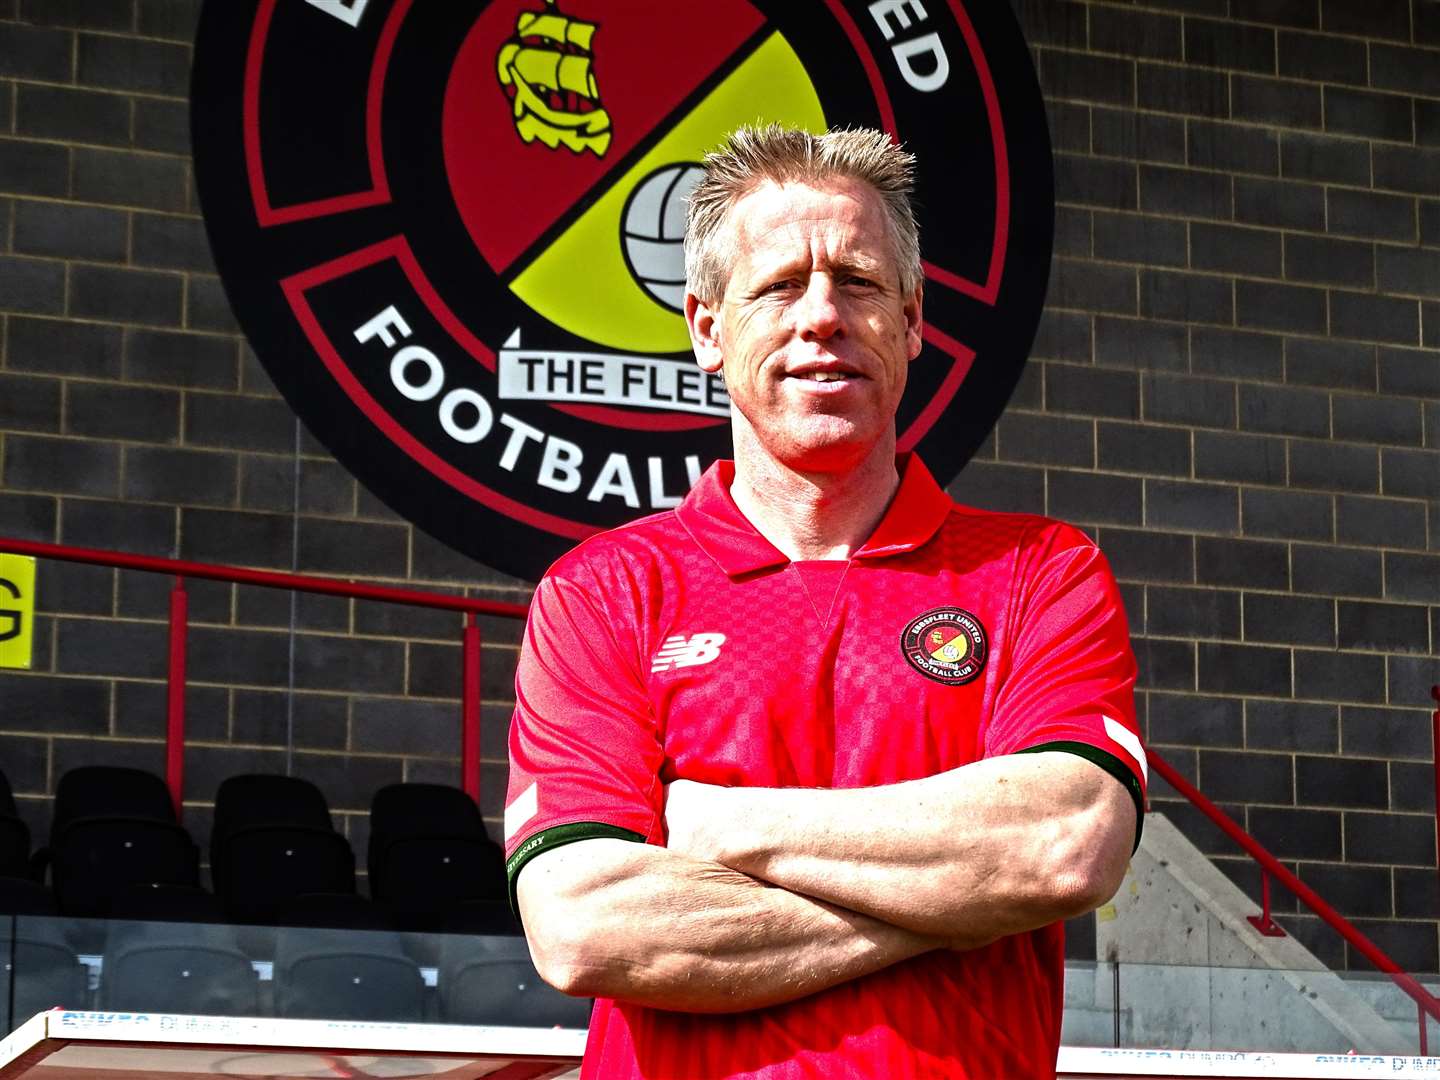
point(647, 58)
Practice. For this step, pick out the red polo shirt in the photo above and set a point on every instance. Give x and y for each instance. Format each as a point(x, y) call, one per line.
point(685, 646)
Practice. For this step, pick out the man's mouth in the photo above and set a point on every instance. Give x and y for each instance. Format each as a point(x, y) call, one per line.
point(824, 376)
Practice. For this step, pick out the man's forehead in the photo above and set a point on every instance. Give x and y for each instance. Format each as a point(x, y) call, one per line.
point(780, 214)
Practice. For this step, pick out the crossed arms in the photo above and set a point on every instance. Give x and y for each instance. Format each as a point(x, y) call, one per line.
point(764, 895)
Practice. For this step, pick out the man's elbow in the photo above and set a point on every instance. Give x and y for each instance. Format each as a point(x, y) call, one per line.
point(568, 960)
point(1090, 868)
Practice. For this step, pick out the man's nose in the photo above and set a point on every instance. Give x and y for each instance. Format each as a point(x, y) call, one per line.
point(817, 312)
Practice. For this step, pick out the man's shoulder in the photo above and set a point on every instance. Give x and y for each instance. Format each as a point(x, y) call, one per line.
point(1014, 528)
point(633, 546)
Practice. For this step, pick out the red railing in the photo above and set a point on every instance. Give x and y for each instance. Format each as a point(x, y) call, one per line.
point(179, 624)
point(1426, 1003)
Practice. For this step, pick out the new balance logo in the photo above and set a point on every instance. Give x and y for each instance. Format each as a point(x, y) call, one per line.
point(680, 651)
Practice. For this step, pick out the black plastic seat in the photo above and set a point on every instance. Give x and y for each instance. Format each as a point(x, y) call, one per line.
point(429, 852)
point(167, 903)
point(190, 968)
point(14, 836)
point(335, 911)
point(491, 980)
point(346, 975)
point(113, 829)
point(272, 840)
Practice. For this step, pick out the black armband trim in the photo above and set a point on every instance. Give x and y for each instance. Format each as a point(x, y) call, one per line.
point(559, 836)
point(1111, 764)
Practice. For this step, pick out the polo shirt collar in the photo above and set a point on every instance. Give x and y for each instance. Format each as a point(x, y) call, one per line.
point(711, 517)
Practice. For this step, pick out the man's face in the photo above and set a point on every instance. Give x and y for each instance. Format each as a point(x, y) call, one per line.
point(813, 334)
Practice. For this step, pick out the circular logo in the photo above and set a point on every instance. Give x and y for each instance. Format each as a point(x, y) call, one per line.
point(452, 232)
point(948, 645)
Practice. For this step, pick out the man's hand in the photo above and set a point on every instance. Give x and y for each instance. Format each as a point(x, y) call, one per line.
point(695, 821)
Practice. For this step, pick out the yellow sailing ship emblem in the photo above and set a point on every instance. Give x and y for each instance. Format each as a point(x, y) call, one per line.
point(545, 67)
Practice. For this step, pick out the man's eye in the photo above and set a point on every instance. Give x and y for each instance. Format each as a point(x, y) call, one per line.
point(863, 282)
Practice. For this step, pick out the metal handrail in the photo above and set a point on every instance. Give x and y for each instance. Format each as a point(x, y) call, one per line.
point(1269, 864)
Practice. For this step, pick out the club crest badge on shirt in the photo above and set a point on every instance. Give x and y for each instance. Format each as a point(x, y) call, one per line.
point(947, 644)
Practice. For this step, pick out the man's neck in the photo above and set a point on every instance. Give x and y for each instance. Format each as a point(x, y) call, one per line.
point(815, 515)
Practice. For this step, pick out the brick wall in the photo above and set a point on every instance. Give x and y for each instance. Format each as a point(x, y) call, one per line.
point(1234, 388)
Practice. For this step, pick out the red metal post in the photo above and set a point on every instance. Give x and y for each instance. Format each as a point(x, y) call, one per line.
point(1424, 1034)
point(1263, 922)
point(175, 702)
point(470, 709)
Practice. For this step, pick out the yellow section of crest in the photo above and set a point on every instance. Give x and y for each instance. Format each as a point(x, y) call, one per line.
point(581, 282)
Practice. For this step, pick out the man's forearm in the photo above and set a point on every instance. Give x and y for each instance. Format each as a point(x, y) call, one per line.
point(994, 848)
point(608, 918)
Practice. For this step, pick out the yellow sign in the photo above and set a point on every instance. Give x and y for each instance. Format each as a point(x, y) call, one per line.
point(17, 610)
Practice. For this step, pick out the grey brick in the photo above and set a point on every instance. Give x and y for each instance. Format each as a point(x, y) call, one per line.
point(1359, 112)
point(1093, 498)
point(36, 286)
point(1340, 676)
point(89, 14)
point(1254, 252)
point(325, 662)
point(1412, 577)
point(1092, 391)
point(140, 713)
point(1411, 678)
point(1072, 231)
point(162, 126)
point(1173, 89)
point(1336, 364)
point(1427, 123)
point(1184, 399)
point(1246, 564)
point(69, 466)
point(1138, 238)
point(1430, 325)
point(1322, 58)
point(207, 307)
point(111, 647)
point(149, 530)
point(1409, 372)
point(1215, 351)
point(58, 347)
point(1336, 571)
point(262, 716)
point(1275, 101)
point(1284, 410)
point(1292, 725)
point(1376, 419)
point(172, 243)
point(127, 178)
point(1092, 287)
point(196, 361)
point(239, 423)
point(1390, 838)
point(1229, 45)
point(1379, 522)
point(1367, 214)
point(1382, 18)
point(29, 52)
point(1141, 343)
point(29, 403)
point(1289, 620)
point(1404, 69)
point(1430, 223)
point(42, 703)
point(1410, 944)
point(1416, 894)
point(1293, 833)
point(1402, 168)
point(107, 411)
point(28, 517)
point(33, 168)
point(1124, 133)
point(1368, 317)
point(125, 63)
point(1246, 458)
point(1383, 627)
point(1425, 25)
point(72, 115)
point(121, 294)
point(1286, 204)
point(1412, 473)
point(1046, 440)
point(1266, 778)
point(1408, 270)
point(173, 19)
point(1328, 466)
point(1270, 306)
point(1195, 721)
point(1135, 33)
point(68, 230)
point(237, 538)
point(1243, 669)
point(1301, 13)
point(1069, 126)
point(1165, 665)
point(999, 487)
point(1194, 613)
point(1233, 148)
point(1185, 192)
point(342, 547)
point(1342, 782)
point(1292, 515)
point(1143, 448)
point(1328, 261)
point(1081, 77)
point(1325, 158)
point(1171, 294)
point(193, 477)
point(1201, 508)
point(143, 595)
point(269, 483)
point(1091, 181)
point(1139, 555)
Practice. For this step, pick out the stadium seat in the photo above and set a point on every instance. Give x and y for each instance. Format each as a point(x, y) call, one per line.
point(167, 903)
point(14, 836)
point(429, 853)
point(490, 980)
point(336, 911)
point(272, 840)
point(346, 975)
point(190, 968)
point(114, 828)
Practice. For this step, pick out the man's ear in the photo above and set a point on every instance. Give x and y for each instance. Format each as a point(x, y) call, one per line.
point(704, 325)
point(915, 321)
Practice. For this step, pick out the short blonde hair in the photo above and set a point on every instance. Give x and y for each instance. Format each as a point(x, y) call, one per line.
point(753, 155)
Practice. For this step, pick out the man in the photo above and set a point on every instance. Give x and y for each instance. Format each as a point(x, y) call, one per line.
point(805, 772)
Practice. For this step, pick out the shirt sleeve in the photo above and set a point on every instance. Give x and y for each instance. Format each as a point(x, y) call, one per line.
point(585, 752)
point(1070, 683)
